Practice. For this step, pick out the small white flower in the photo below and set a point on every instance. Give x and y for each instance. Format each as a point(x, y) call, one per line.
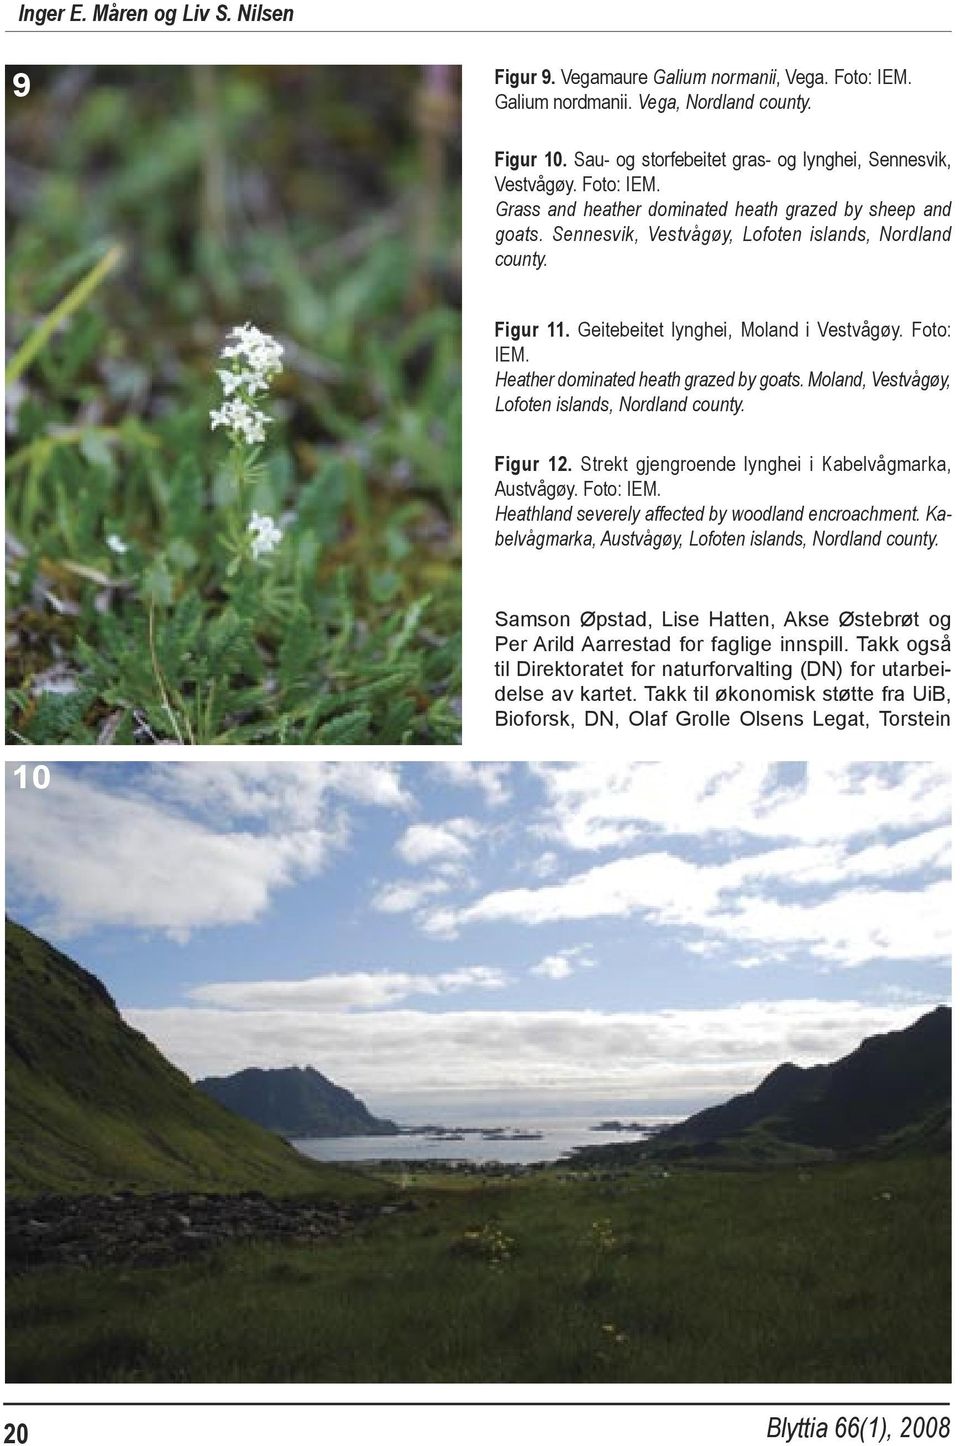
point(116, 544)
point(266, 535)
point(250, 382)
point(255, 358)
point(230, 381)
point(241, 421)
point(258, 349)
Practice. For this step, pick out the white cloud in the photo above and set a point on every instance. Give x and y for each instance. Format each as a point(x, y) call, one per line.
point(545, 865)
point(746, 903)
point(602, 805)
point(666, 1054)
point(426, 843)
point(842, 864)
point(492, 779)
point(562, 963)
point(553, 966)
point(406, 896)
point(359, 989)
point(194, 846)
point(289, 795)
point(95, 857)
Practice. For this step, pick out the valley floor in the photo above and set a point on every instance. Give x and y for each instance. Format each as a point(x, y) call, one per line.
point(828, 1273)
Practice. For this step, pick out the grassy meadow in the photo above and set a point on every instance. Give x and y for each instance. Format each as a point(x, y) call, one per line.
point(151, 210)
point(829, 1273)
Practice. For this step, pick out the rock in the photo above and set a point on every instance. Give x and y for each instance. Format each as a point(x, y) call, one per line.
point(126, 1228)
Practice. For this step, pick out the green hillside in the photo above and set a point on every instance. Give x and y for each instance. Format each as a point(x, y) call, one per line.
point(92, 1105)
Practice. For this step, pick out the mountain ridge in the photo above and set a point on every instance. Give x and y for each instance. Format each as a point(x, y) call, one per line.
point(891, 1093)
point(297, 1101)
point(888, 1082)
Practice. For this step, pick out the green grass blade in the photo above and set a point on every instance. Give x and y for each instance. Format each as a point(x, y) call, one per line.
point(73, 300)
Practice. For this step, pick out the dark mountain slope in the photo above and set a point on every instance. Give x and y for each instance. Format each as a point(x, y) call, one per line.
point(889, 1095)
point(92, 1105)
point(889, 1082)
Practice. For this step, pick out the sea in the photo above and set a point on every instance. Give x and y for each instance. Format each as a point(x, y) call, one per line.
point(558, 1138)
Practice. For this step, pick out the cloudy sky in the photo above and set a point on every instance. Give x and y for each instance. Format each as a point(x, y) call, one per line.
point(656, 935)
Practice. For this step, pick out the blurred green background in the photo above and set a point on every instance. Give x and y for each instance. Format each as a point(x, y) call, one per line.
point(322, 204)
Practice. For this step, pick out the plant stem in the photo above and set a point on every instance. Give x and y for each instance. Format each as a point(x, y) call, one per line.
point(74, 299)
point(214, 194)
point(159, 675)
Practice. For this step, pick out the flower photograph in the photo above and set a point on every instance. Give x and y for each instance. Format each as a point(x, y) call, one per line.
point(233, 405)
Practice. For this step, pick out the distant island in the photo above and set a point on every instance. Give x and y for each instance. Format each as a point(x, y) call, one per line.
point(298, 1103)
point(460, 1132)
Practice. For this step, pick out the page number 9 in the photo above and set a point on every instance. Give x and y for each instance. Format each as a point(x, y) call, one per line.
point(21, 84)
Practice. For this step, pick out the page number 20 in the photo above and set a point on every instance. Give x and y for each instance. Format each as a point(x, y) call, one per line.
point(21, 84)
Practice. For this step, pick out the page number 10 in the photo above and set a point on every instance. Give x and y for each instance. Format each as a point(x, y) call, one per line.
point(37, 777)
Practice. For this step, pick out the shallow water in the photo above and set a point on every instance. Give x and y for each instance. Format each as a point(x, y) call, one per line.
point(558, 1138)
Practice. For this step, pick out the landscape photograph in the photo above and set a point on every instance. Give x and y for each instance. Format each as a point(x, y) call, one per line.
point(489, 1073)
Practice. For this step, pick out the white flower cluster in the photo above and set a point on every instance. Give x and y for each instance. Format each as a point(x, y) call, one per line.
point(260, 351)
point(265, 535)
point(244, 422)
point(255, 359)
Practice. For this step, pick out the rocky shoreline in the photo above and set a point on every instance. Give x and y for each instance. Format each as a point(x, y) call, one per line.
point(165, 1228)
